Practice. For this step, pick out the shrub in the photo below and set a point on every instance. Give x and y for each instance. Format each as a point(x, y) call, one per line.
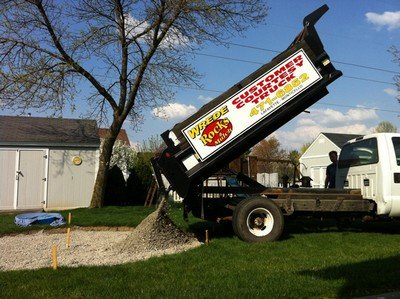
point(115, 193)
point(140, 178)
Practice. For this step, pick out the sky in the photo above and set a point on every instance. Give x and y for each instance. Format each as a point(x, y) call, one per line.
point(356, 34)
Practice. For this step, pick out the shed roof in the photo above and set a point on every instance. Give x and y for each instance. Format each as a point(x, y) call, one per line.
point(41, 131)
point(340, 139)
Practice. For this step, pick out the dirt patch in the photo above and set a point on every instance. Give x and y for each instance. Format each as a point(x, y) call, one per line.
point(155, 236)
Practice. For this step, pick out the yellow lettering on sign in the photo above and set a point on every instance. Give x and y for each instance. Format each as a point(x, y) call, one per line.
point(196, 130)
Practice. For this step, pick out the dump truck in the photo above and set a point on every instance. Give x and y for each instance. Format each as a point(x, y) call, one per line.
point(229, 125)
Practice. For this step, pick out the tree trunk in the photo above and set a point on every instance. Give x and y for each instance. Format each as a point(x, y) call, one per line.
point(106, 148)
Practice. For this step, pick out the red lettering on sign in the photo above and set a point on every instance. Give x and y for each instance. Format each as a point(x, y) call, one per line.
point(298, 60)
point(244, 95)
point(249, 98)
point(216, 132)
point(253, 89)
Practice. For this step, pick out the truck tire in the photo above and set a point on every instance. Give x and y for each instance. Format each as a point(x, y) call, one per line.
point(257, 219)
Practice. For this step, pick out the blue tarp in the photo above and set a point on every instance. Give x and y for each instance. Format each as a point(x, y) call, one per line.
point(54, 219)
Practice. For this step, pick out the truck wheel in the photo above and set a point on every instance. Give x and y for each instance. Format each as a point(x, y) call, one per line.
point(257, 219)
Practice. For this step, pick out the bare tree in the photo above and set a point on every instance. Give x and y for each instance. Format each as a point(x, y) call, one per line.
point(153, 144)
point(270, 153)
point(396, 59)
point(118, 56)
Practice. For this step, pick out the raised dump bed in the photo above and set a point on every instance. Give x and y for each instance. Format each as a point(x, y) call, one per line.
point(201, 145)
point(246, 113)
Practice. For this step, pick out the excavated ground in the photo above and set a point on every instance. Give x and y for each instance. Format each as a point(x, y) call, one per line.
point(154, 236)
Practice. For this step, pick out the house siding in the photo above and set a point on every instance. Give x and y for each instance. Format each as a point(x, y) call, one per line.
point(314, 161)
point(7, 178)
point(69, 185)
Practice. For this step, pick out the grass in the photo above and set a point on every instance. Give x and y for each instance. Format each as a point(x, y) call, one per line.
point(312, 260)
point(109, 216)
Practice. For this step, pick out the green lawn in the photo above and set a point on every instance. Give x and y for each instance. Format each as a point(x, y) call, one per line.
point(313, 259)
point(109, 216)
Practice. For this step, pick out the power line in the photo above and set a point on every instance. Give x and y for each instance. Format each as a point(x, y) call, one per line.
point(366, 108)
point(252, 47)
point(259, 63)
point(329, 33)
point(369, 80)
point(227, 58)
point(326, 104)
point(335, 61)
point(367, 67)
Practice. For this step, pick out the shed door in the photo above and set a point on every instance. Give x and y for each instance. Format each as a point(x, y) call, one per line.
point(7, 178)
point(31, 179)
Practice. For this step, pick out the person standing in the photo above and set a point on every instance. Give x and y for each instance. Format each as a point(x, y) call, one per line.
point(331, 171)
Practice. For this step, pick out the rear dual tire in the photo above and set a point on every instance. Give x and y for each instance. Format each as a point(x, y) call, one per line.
point(257, 219)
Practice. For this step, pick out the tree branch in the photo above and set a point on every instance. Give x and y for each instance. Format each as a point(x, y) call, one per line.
point(70, 61)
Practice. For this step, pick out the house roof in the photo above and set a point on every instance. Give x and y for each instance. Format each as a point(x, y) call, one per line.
point(41, 131)
point(340, 139)
point(122, 136)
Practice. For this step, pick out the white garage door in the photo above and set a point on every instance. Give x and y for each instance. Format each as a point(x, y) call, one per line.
point(23, 177)
point(7, 178)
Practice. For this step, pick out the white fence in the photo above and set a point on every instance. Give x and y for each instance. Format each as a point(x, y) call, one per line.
point(268, 179)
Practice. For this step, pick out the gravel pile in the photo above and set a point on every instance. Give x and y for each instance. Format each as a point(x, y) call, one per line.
point(156, 232)
point(155, 236)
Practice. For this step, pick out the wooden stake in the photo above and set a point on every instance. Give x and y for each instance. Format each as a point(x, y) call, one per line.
point(68, 243)
point(54, 263)
point(207, 240)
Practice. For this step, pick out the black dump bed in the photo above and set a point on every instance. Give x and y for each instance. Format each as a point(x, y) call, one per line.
point(248, 112)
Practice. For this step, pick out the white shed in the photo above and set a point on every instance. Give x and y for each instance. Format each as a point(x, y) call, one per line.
point(47, 163)
point(315, 159)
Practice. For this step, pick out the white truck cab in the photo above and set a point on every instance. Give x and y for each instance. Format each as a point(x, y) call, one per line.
point(372, 163)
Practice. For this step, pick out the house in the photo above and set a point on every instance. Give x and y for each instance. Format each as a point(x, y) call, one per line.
point(122, 136)
point(315, 159)
point(47, 163)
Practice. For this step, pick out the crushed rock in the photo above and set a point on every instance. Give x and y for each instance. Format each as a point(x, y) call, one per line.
point(156, 232)
point(155, 236)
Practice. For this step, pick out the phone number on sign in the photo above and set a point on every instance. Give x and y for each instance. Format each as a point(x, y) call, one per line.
point(282, 93)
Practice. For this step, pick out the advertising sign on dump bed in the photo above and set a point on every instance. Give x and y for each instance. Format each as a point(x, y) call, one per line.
point(252, 104)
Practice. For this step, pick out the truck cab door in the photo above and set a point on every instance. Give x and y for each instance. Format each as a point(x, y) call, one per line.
point(359, 168)
point(394, 157)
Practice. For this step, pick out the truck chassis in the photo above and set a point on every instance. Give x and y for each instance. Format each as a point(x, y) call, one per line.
point(223, 129)
point(257, 213)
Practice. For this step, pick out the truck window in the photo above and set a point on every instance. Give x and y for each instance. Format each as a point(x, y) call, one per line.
point(358, 153)
point(396, 146)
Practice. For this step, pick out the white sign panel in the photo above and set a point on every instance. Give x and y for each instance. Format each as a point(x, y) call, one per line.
point(253, 103)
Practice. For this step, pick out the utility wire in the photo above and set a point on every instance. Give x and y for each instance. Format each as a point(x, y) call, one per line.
point(357, 107)
point(259, 63)
point(318, 103)
point(369, 80)
point(335, 61)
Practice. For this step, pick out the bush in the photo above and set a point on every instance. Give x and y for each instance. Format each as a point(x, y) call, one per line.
point(115, 193)
point(139, 180)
